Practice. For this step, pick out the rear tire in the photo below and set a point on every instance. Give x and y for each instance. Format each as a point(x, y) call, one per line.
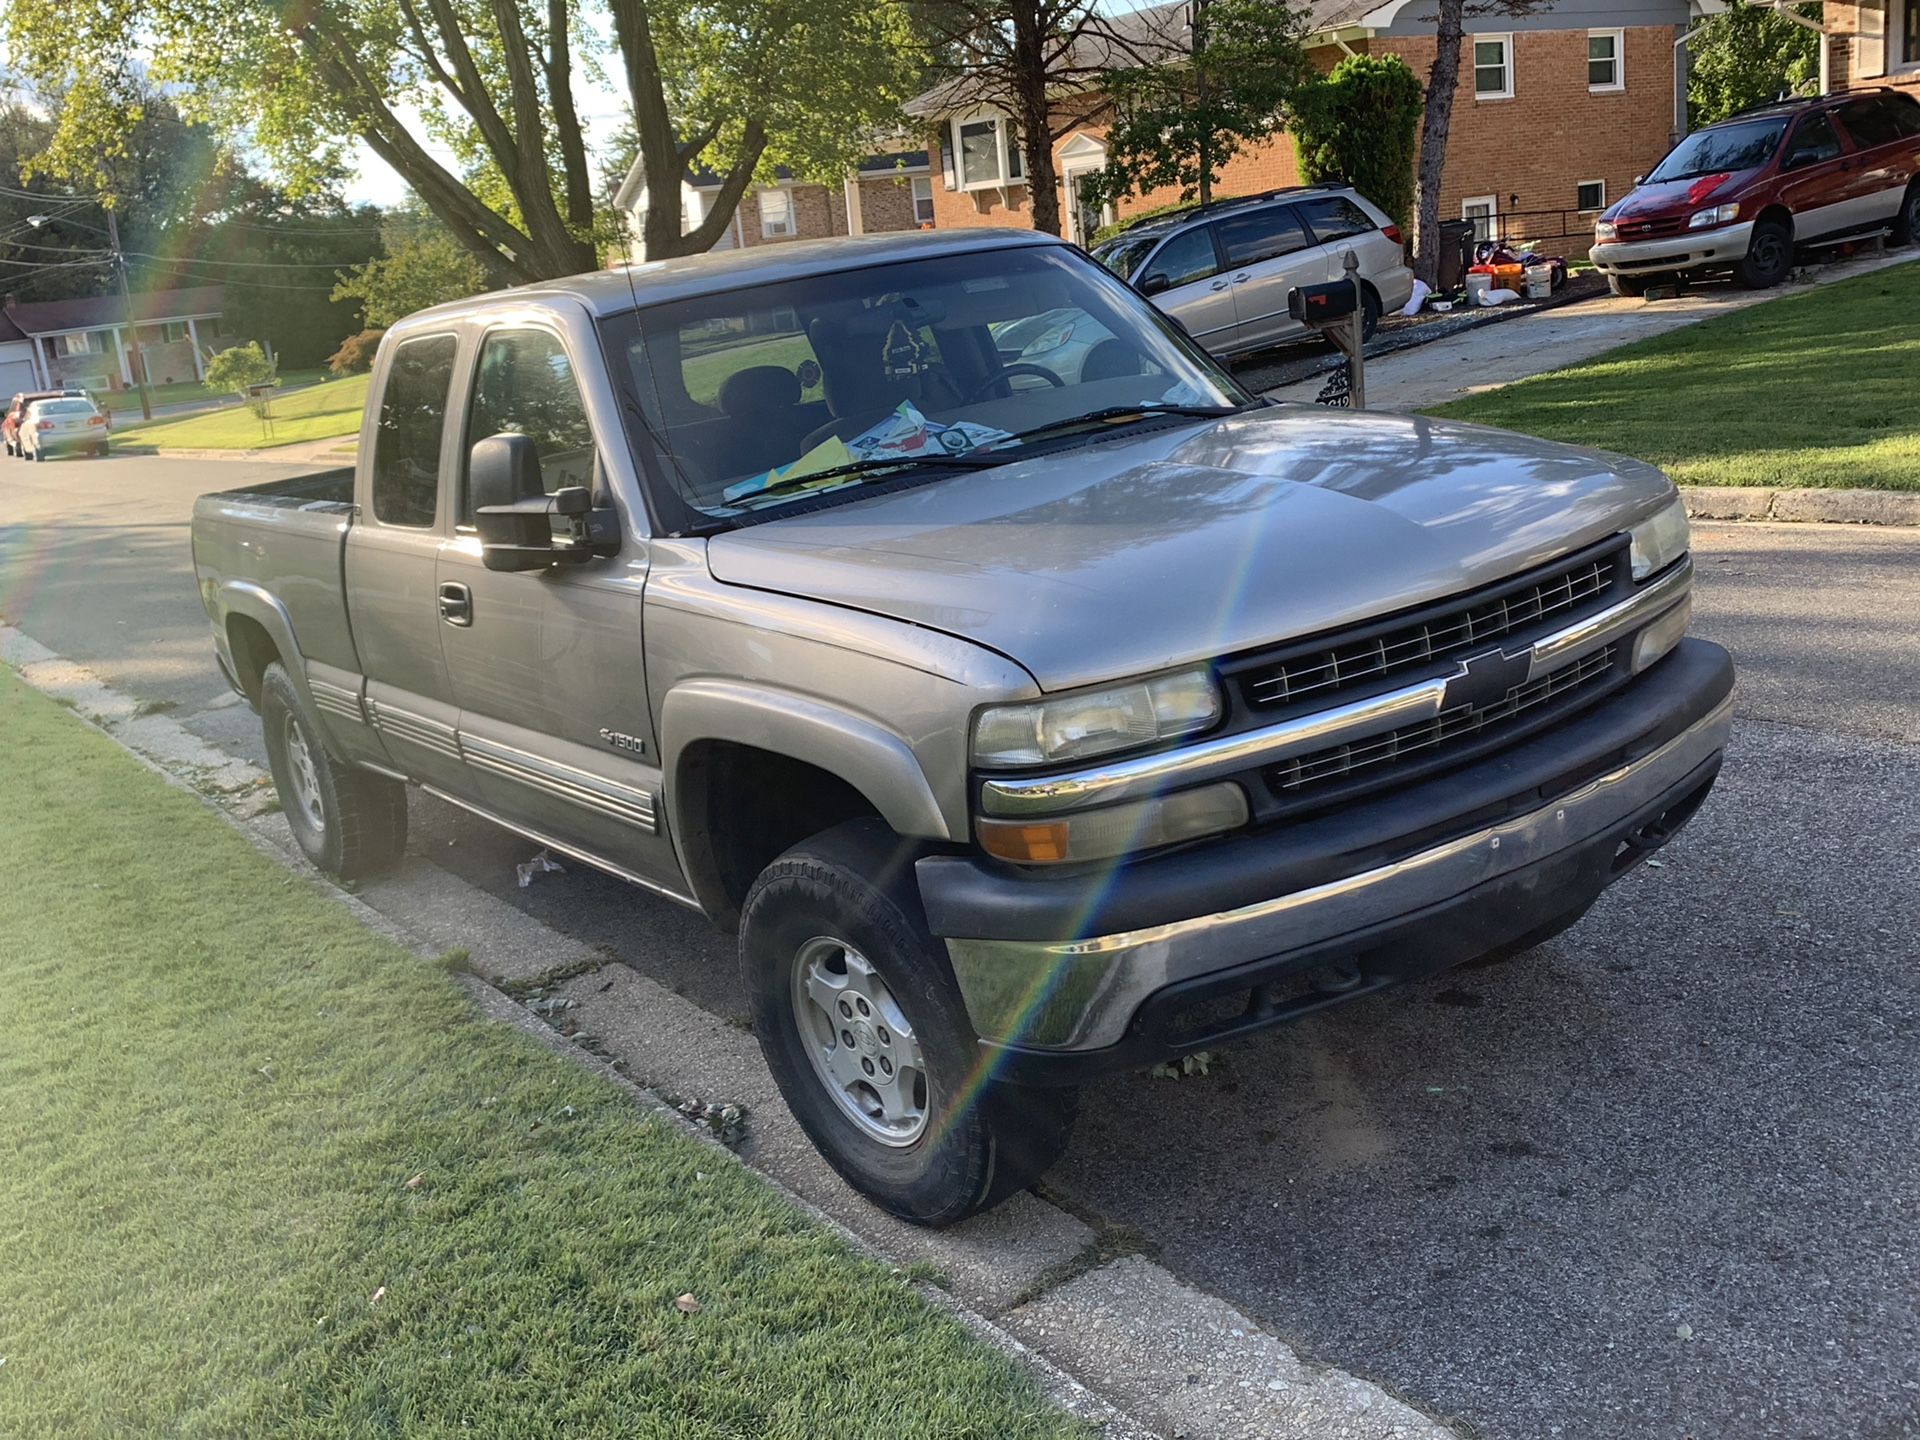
point(843, 978)
point(1906, 225)
point(349, 822)
point(1631, 287)
point(1769, 256)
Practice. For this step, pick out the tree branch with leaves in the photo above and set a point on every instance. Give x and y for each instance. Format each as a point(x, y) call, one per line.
point(731, 86)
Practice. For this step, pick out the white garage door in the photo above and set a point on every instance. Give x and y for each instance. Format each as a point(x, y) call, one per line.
point(15, 376)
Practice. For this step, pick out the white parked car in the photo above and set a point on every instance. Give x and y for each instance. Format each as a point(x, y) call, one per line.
point(70, 422)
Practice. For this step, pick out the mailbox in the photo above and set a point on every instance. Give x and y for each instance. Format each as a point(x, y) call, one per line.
point(1321, 304)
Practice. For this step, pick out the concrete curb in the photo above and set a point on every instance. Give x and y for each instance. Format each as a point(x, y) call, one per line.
point(1038, 1284)
point(1831, 507)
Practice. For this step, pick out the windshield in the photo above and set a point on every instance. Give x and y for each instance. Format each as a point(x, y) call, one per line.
point(768, 396)
point(63, 407)
point(1724, 148)
point(1123, 255)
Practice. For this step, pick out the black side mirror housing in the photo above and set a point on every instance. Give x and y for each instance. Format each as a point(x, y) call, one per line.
point(1155, 284)
point(515, 516)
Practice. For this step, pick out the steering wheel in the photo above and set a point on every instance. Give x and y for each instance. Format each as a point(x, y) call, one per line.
point(1019, 367)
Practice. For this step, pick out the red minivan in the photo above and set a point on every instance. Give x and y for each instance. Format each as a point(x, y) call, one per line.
point(1738, 197)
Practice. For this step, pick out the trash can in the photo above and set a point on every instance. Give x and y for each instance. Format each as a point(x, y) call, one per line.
point(1456, 254)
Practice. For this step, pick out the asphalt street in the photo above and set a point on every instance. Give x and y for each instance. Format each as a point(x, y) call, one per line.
point(1657, 1178)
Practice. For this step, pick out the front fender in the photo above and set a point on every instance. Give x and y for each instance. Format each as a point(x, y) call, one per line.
point(856, 748)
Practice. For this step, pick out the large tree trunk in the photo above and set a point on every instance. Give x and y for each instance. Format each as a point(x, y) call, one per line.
point(1035, 115)
point(1442, 81)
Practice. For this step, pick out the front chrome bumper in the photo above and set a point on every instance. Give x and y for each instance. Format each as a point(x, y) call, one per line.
point(1082, 994)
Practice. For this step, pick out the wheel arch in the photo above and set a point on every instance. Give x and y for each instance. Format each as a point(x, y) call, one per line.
point(751, 771)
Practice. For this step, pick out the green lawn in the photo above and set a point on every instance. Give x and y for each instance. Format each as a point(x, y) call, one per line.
point(314, 413)
point(125, 404)
point(703, 372)
point(1811, 389)
point(267, 1174)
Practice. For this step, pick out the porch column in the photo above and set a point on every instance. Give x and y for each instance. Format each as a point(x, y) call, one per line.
point(120, 354)
point(193, 344)
point(856, 222)
point(43, 361)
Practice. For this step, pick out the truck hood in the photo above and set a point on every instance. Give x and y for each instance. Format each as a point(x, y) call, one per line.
point(1130, 556)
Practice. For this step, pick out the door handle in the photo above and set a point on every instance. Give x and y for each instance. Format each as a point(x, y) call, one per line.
point(1218, 285)
point(456, 604)
point(1243, 275)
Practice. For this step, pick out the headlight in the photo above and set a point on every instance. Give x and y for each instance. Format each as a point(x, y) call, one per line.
point(1050, 340)
point(1658, 542)
point(1117, 829)
point(1713, 215)
point(1096, 722)
point(1605, 230)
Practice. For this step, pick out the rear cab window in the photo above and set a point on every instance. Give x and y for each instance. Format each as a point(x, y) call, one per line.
point(406, 442)
point(1265, 234)
point(525, 384)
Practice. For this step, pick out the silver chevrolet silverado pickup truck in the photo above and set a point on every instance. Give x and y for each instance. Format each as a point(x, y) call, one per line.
point(930, 611)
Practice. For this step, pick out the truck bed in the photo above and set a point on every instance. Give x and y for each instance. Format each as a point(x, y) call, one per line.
point(321, 490)
point(283, 539)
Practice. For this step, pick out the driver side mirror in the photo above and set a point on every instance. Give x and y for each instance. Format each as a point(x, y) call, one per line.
point(1155, 284)
point(1800, 159)
point(515, 516)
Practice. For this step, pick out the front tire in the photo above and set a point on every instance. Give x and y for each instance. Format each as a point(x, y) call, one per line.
point(349, 822)
point(1631, 287)
point(1769, 256)
point(864, 1029)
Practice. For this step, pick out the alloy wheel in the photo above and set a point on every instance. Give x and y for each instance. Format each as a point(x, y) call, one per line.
point(860, 1042)
point(305, 778)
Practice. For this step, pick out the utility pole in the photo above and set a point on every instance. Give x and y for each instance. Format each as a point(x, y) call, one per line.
point(126, 307)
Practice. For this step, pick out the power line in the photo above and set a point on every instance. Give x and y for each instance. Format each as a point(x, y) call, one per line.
point(304, 227)
point(180, 274)
point(249, 264)
point(57, 249)
point(43, 195)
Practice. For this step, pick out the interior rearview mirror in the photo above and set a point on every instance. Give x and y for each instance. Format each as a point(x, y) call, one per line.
point(1154, 284)
point(516, 517)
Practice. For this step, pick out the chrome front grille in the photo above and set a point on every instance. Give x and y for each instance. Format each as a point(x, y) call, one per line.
point(1316, 672)
point(1449, 727)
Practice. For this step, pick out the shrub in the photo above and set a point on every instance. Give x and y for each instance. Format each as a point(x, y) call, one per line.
point(355, 355)
point(1361, 125)
point(1107, 232)
point(239, 367)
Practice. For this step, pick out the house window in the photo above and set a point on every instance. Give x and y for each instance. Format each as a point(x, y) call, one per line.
point(1910, 33)
point(922, 199)
point(1493, 67)
point(1588, 195)
point(83, 342)
point(776, 213)
point(173, 332)
point(1484, 212)
point(1605, 65)
point(988, 147)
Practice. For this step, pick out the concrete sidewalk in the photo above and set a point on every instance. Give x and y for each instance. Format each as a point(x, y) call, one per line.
point(1496, 355)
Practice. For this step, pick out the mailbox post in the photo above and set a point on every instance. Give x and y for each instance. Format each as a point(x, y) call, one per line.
point(1338, 311)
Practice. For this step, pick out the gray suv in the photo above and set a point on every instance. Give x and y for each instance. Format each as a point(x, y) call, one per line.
point(1224, 270)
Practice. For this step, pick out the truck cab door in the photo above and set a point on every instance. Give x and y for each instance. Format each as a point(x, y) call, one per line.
point(547, 664)
point(392, 562)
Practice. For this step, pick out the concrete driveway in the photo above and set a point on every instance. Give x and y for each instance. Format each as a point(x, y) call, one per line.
point(1657, 1178)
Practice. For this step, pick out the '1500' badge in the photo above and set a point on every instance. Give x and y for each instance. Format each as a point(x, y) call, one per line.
point(624, 742)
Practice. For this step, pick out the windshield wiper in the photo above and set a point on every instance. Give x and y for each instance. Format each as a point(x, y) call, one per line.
point(861, 467)
point(1122, 412)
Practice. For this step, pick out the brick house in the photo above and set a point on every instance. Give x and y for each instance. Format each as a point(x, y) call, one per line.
point(85, 341)
point(1554, 116)
point(891, 191)
point(1872, 44)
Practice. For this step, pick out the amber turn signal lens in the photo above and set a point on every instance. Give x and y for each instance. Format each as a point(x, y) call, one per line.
point(1024, 844)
